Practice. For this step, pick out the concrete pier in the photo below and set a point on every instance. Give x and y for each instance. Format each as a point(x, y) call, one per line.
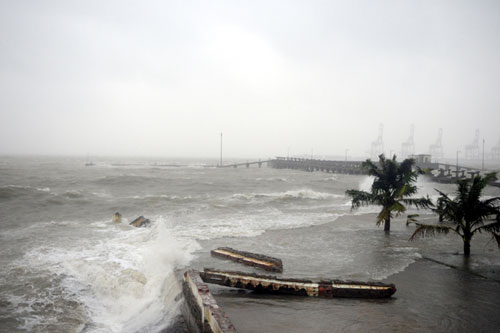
point(346, 167)
point(247, 164)
point(446, 173)
point(200, 311)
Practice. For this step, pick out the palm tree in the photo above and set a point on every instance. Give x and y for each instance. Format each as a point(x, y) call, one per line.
point(393, 188)
point(466, 214)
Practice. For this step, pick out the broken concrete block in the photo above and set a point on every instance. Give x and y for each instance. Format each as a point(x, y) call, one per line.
point(250, 259)
point(300, 287)
point(200, 310)
point(141, 221)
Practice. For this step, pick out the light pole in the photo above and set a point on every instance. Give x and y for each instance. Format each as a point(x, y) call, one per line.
point(458, 151)
point(482, 166)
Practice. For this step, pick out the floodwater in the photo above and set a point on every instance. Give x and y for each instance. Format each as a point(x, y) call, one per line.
point(431, 296)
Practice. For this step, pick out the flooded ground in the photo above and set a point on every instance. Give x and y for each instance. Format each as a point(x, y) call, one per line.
point(431, 295)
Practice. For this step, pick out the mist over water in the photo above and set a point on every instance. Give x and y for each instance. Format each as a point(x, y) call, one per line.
point(67, 267)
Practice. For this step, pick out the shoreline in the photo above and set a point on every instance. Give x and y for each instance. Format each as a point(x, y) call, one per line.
point(461, 269)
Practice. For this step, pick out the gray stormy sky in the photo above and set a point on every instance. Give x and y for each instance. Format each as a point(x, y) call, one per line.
point(164, 78)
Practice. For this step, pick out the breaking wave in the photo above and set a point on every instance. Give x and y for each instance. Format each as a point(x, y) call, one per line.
point(122, 283)
point(272, 179)
point(73, 194)
point(250, 225)
point(13, 191)
point(163, 197)
point(126, 179)
point(289, 195)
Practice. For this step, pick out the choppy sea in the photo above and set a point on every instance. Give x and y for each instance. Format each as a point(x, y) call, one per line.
point(66, 267)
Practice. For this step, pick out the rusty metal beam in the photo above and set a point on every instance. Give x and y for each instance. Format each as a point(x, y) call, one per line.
point(250, 259)
point(302, 287)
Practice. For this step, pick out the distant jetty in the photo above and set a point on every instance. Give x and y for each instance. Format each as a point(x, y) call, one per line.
point(438, 172)
point(346, 167)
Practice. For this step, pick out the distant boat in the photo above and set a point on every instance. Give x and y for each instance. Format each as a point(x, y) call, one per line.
point(89, 162)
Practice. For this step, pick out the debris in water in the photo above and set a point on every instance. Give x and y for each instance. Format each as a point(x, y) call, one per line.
point(117, 218)
point(250, 259)
point(300, 287)
point(141, 221)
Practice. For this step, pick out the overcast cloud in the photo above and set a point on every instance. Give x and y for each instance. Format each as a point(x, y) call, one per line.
point(164, 78)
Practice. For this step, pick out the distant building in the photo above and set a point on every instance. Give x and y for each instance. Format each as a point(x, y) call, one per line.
point(408, 147)
point(421, 158)
point(436, 149)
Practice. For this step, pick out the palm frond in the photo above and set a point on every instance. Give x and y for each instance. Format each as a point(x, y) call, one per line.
point(491, 201)
point(442, 194)
point(371, 168)
point(423, 171)
point(360, 198)
point(495, 226)
point(407, 165)
point(497, 238)
point(384, 214)
point(412, 218)
point(490, 177)
point(429, 229)
point(424, 202)
point(398, 208)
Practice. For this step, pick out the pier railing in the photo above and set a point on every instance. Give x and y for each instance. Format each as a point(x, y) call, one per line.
point(347, 167)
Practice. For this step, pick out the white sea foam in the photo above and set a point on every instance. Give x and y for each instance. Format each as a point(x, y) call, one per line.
point(272, 179)
point(27, 187)
point(17, 186)
point(102, 194)
point(121, 279)
point(161, 196)
point(366, 183)
point(292, 194)
point(73, 194)
point(250, 225)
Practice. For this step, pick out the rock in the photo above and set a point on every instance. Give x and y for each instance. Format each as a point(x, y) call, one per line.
point(117, 218)
point(141, 221)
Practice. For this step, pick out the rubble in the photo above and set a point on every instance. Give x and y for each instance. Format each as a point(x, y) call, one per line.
point(200, 310)
point(250, 259)
point(300, 287)
point(117, 218)
point(141, 221)
point(202, 314)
